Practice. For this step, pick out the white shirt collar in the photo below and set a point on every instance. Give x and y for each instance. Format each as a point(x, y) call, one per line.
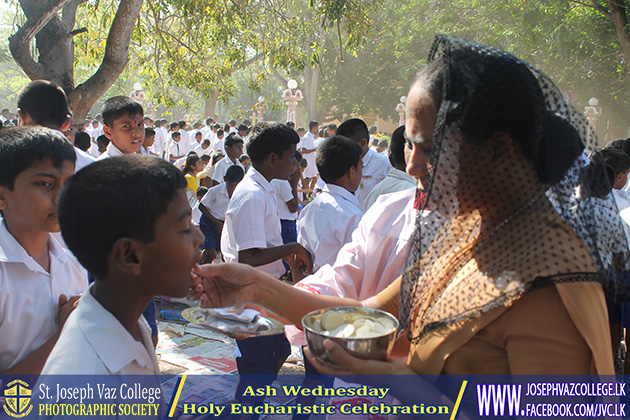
point(12, 251)
point(402, 175)
point(260, 179)
point(113, 150)
point(338, 191)
point(368, 157)
point(99, 326)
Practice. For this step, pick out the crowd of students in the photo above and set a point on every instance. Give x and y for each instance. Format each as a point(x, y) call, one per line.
point(141, 205)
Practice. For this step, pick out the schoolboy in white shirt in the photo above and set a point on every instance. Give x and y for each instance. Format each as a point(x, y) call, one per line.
point(175, 150)
point(251, 235)
point(44, 103)
point(39, 280)
point(397, 178)
point(375, 166)
point(327, 223)
point(233, 150)
point(124, 126)
point(145, 247)
point(213, 207)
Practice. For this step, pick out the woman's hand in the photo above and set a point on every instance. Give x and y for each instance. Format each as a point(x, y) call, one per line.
point(222, 285)
point(350, 365)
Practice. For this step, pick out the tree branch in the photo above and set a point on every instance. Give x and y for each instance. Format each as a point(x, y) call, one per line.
point(594, 4)
point(69, 13)
point(276, 74)
point(19, 43)
point(619, 17)
point(114, 61)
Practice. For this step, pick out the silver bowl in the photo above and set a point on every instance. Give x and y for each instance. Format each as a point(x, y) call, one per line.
point(374, 348)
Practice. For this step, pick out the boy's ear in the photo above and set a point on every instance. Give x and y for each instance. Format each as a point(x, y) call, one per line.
point(3, 198)
point(126, 256)
point(107, 131)
point(65, 125)
point(24, 119)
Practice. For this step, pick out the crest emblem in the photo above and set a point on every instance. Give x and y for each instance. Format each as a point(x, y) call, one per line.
point(18, 399)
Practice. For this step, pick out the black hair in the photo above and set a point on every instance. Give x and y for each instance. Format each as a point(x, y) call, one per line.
point(373, 129)
point(209, 120)
point(45, 102)
point(397, 146)
point(596, 179)
point(216, 157)
point(383, 143)
point(201, 191)
point(267, 138)
point(247, 123)
point(298, 156)
point(173, 125)
point(242, 127)
point(312, 124)
point(220, 132)
point(617, 159)
point(182, 124)
point(506, 98)
point(234, 174)
point(335, 156)
point(232, 140)
point(94, 212)
point(103, 140)
point(232, 123)
point(116, 107)
point(354, 129)
point(206, 141)
point(21, 147)
point(191, 161)
point(290, 124)
point(149, 132)
point(82, 140)
point(175, 134)
point(243, 158)
point(205, 158)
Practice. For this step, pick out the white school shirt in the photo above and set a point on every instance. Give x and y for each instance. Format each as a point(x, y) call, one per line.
point(110, 152)
point(374, 257)
point(396, 180)
point(327, 223)
point(375, 169)
point(29, 296)
point(216, 200)
point(218, 146)
point(175, 149)
point(308, 142)
point(83, 159)
point(94, 342)
point(284, 193)
point(252, 221)
point(621, 199)
point(222, 166)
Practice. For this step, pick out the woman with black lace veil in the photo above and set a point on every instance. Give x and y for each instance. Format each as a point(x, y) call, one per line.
point(511, 282)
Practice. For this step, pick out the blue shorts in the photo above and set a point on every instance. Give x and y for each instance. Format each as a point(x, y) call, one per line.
point(261, 355)
point(211, 234)
point(289, 231)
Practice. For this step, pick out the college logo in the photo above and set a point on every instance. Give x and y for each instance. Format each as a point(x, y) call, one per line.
point(18, 399)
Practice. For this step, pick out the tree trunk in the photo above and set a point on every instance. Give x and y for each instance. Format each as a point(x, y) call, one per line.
point(619, 17)
point(55, 46)
point(311, 81)
point(211, 105)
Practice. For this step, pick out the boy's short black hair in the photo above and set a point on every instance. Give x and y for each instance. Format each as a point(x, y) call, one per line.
point(173, 125)
point(617, 159)
point(117, 106)
point(243, 158)
point(205, 158)
point(267, 138)
point(82, 140)
point(397, 146)
point(103, 140)
point(220, 132)
point(45, 102)
point(354, 129)
point(206, 142)
point(201, 191)
point(312, 124)
point(175, 134)
point(335, 156)
point(232, 140)
point(149, 132)
point(234, 174)
point(94, 212)
point(21, 147)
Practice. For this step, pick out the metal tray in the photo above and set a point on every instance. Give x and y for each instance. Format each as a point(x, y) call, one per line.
point(212, 320)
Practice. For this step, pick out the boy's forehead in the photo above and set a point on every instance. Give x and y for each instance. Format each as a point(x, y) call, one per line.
point(127, 116)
